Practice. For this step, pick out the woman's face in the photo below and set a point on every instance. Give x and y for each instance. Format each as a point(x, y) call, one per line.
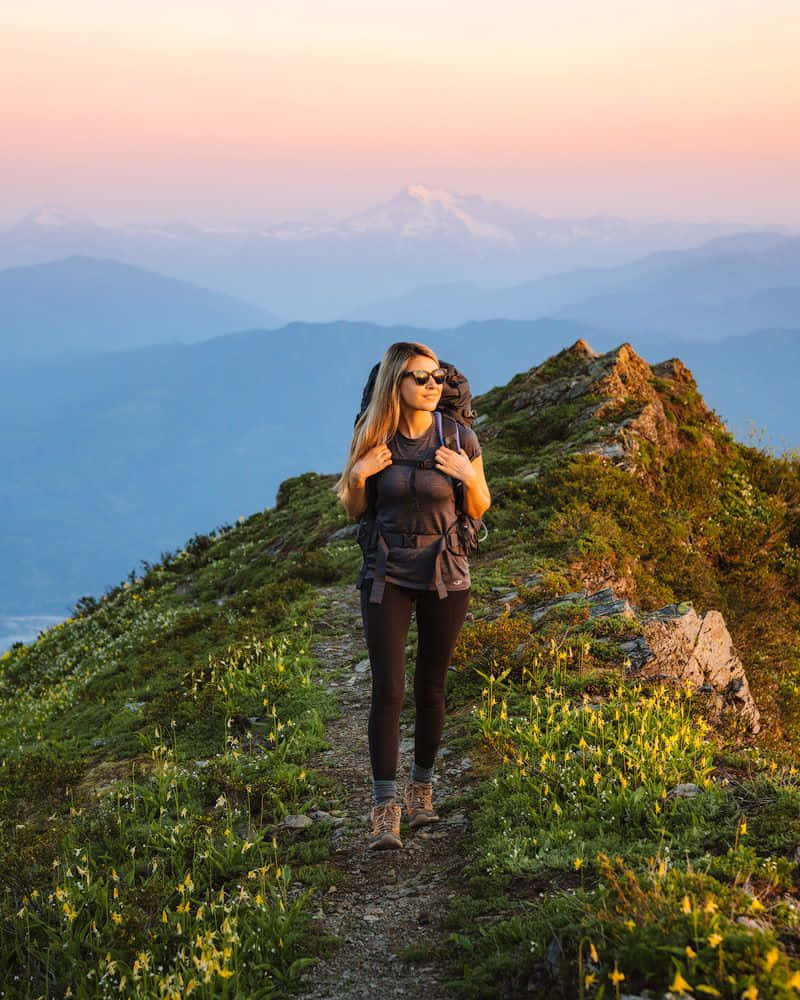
point(420, 397)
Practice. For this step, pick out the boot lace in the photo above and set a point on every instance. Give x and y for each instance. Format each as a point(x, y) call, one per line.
point(418, 797)
point(384, 818)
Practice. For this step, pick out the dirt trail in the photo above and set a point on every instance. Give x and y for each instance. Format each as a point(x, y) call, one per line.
point(386, 900)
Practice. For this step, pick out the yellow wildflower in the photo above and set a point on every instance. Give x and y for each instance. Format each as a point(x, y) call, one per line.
point(679, 984)
point(714, 939)
point(616, 976)
point(772, 957)
point(686, 905)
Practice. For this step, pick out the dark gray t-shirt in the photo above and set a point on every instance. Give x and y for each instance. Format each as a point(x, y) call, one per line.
point(432, 511)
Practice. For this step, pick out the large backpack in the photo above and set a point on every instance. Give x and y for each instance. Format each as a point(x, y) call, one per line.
point(456, 404)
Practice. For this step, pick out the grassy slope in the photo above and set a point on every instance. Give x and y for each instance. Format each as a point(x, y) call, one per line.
point(189, 686)
point(585, 866)
point(175, 666)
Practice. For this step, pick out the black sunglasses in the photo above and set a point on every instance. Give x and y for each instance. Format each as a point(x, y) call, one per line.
point(421, 377)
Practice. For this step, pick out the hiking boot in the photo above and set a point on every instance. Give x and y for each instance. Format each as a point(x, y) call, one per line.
point(419, 805)
point(385, 819)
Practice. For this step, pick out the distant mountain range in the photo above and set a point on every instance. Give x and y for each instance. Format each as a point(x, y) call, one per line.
point(298, 270)
point(726, 286)
point(110, 458)
point(83, 303)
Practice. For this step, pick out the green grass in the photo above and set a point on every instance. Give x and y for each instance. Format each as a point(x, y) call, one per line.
point(151, 746)
point(585, 864)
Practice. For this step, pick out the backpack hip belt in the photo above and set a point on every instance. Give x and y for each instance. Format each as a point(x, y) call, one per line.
point(392, 539)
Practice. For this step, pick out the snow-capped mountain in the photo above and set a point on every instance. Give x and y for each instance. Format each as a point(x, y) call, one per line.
point(423, 235)
point(419, 212)
point(52, 214)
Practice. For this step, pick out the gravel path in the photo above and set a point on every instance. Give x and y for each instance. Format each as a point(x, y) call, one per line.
point(386, 901)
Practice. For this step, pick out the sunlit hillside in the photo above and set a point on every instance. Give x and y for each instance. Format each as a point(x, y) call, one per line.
point(168, 826)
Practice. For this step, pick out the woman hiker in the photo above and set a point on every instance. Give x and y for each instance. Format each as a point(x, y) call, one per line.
point(416, 559)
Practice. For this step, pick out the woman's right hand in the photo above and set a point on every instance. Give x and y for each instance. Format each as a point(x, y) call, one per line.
point(375, 460)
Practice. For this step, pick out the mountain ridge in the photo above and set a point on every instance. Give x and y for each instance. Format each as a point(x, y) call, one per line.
point(46, 308)
point(420, 234)
point(170, 754)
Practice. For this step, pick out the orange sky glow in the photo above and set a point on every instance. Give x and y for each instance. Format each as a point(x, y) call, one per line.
point(311, 110)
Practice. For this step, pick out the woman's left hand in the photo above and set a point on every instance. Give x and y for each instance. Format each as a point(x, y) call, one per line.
point(455, 464)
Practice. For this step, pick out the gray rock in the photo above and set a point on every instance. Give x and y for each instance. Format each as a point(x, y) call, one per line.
point(751, 924)
point(687, 790)
point(300, 822)
point(553, 956)
point(603, 603)
point(348, 531)
point(698, 650)
point(676, 644)
point(320, 816)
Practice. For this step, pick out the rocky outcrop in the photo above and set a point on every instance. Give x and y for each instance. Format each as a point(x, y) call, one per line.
point(628, 403)
point(673, 644)
point(698, 650)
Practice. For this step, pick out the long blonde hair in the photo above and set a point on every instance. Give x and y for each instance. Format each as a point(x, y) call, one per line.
point(379, 422)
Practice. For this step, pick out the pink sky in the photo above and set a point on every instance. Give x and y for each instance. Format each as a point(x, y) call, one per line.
point(316, 110)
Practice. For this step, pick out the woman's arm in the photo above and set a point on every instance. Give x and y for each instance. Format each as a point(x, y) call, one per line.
point(354, 498)
point(477, 498)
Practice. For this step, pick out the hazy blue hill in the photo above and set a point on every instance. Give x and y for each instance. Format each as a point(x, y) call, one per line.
point(112, 458)
point(85, 303)
point(117, 457)
point(729, 285)
point(752, 379)
point(322, 271)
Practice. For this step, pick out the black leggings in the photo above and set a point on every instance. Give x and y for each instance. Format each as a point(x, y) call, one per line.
point(439, 621)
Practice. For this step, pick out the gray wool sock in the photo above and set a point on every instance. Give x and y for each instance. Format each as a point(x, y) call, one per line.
point(422, 775)
point(383, 790)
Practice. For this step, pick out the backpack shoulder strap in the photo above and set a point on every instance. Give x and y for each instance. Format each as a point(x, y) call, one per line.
point(458, 486)
point(437, 414)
